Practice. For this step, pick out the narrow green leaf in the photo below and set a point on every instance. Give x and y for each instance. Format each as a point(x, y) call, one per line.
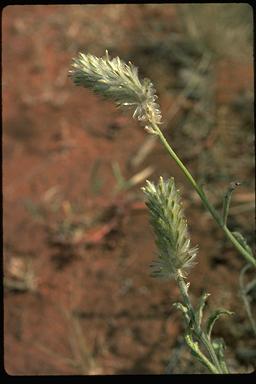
point(120, 180)
point(184, 310)
point(200, 308)
point(240, 238)
point(227, 199)
point(196, 352)
point(245, 294)
point(213, 317)
point(219, 346)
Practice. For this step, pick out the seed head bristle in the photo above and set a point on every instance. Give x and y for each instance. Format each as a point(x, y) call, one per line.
point(114, 79)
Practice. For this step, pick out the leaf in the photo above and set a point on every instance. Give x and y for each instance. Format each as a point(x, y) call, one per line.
point(184, 310)
point(200, 308)
point(193, 345)
point(227, 199)
point(242, 241)
point(219, 346)
point(213, 317)
point(120, 180)
point(196, 352)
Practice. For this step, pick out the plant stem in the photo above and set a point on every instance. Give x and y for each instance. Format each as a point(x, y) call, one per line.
point(246, 301)
point(215, 366)
point(249, 258)
point(207, 343)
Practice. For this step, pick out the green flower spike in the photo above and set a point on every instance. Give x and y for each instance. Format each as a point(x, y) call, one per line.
point(176, 256)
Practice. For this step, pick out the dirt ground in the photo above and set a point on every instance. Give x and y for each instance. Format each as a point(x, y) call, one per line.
point(78, 297)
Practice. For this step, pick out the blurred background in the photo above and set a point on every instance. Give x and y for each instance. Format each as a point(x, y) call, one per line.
point(78, 296)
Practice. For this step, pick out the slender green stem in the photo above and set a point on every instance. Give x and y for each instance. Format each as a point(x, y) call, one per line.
point(208, 345)
point(245, 298)
point(215, 366)
point(203, 197)
point(227, 200)
point(248, 256)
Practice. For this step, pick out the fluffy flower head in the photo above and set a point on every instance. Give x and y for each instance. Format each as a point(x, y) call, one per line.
point(175, 254)
point(116, 80)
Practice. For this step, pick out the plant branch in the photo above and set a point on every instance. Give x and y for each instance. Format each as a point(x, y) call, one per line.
point(244, 293)
point(214, 365)
point(249, 258)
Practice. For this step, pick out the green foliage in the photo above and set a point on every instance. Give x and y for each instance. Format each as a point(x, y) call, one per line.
point(219, 347)
point(200, 308)
point(212, 319)
point(197, 353)
point(184, 310)
point(214, 360)
point(240, 238)
point(226, 201)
